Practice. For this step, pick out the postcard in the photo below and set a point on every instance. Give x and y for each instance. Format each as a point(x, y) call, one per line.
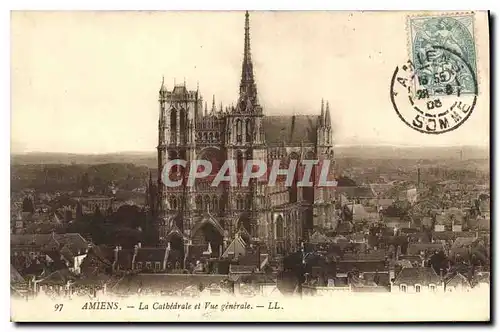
point(253, 166)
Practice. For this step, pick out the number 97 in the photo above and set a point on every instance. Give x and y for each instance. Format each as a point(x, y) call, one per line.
point(58, 307)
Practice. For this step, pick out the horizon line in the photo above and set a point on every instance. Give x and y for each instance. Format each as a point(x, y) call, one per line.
point(336, 146)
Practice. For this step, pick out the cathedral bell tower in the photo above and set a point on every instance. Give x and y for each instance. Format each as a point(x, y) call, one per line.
point(161, 148)
point(245, 141)
point(178, 111)
point(323, 211)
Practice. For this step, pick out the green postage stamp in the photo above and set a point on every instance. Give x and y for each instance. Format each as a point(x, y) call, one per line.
point(444, 53)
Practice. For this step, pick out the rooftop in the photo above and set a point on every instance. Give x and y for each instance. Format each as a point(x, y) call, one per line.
point(293, 129)
point(159, 282)
point(417, 275)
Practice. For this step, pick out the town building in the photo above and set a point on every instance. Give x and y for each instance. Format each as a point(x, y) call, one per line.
point(458, 283)
point(418, 280)
point(68, 249)
point(91, 203)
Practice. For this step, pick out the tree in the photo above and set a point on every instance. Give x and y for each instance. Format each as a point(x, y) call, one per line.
point(109, 211)
point(97, 219)
point(129, 216)
point(438, 262)
point(99, 185)
point(68, 215)
point(344, 181)
point(483, 197)
point(97, 213)
point(397, 209)
point(28, 205)
point(85, 182)
point(346, 213)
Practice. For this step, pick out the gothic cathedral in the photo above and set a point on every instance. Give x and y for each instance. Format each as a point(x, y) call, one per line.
point(276, 218)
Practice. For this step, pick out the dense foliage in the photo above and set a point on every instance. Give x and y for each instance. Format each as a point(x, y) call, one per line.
point(52, 178)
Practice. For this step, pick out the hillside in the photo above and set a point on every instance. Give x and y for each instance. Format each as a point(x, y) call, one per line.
point(341, 152)
point(138, 158)
point(404, 152)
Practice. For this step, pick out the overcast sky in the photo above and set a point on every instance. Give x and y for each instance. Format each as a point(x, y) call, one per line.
point(87, 82)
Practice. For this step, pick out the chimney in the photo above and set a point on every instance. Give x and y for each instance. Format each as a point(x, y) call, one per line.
point(259, 262)
point(392, 272)
point(418, 177)
point(165, 256)
point(136, 250)
point(115, 262)
point(472, 272)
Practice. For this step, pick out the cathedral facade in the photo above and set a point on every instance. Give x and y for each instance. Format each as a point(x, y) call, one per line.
point(275, 217)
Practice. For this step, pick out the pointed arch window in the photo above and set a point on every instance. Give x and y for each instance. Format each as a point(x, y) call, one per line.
point(199, 203)
point(280, 231)
point(240, 203)
point(206, 202)
point(173, 155)
point(239, 130)
point(173, 203)
point(183, 154)
point(183, 126)
point(293, 190)
point(248, 131)
point(239, 162)
point(173, 125)
point(215, 204)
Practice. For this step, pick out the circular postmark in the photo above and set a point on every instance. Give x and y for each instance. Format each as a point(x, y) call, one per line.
point(436, 93)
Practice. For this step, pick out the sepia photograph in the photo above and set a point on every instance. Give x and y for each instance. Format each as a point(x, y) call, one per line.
point(253, 166)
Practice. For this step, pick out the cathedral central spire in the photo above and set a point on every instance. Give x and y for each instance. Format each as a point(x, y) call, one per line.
point(248, 90)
